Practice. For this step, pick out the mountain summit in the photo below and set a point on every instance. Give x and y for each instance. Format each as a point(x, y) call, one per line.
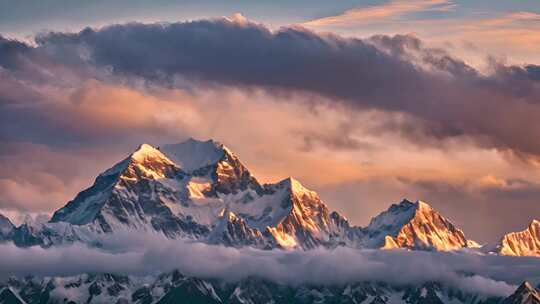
point(523, 243)
point(6, 227)
point(414, 226)
point(525, 294)
point(201, 190)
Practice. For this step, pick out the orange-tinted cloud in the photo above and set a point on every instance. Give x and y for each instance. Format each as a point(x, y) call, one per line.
point(386, 11)
point(512, 36)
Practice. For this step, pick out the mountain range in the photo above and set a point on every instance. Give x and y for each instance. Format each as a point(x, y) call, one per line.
point(174, 287)
point(201, 190)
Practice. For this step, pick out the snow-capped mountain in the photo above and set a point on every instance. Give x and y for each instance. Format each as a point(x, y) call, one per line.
point(140, 192)
point(6, 228)
point(7, 296)
point(195, 189)
point(523, 243)
point(414, 226)
point(201, 190)
point(525, 294)
point(174, 287)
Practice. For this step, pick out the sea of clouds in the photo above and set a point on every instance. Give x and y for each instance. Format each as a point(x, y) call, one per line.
point(144, 255)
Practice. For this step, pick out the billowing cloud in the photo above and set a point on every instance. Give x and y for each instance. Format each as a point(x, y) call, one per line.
point(444, 96)
point(511, 36)
point(152, 254)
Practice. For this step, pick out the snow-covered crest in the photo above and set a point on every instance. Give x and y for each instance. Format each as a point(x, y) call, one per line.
point(522, 243)
point(201, 190)
point(193, 154)
point(414, 226)
point(184, 190)
point(525, 294)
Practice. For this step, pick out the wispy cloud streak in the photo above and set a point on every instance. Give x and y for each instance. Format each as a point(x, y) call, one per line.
point(384, 12)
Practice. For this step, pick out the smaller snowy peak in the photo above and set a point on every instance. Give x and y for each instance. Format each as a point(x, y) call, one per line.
point(308, 223)
point(145, 157)
point(423, 206)
point(119, 189)
point(391, 220)
point(145, 152)
point(232, 230)
point(522, 243)
point(7, 296)
point(295, 187)
point(6, 227)
point(194, 154)
point(5, 221)
point(526, 287)
point(213, 160)
point(414, 226)
point(149, 162)
point(525, 294)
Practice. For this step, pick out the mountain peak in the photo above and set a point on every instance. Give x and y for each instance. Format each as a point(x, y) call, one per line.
point(4, 219)
point(406, 202)
point(423, 206)
point(524, 294)
point(522, 243)
point(117, 185)
point(213, 160)
point(419, 205)
point(146, 161)
point(144, 151)
point(414, 226)
point(194, 154)
point(144, 157)
point(294, 185)
point(526, 286)
point(6, 227)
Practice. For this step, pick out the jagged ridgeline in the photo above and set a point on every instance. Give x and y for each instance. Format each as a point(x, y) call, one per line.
point(174, 287)
point(201, 190)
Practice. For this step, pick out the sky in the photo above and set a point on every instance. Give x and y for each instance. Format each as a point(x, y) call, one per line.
point(365, 102)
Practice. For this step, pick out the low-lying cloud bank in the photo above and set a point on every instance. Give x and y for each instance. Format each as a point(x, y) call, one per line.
point(150, 254)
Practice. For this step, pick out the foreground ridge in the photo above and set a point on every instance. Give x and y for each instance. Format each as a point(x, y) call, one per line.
point(176, 287)
point(525, 294)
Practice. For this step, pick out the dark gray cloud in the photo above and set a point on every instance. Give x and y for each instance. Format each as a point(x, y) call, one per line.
point(151, 254)
point(447, 97)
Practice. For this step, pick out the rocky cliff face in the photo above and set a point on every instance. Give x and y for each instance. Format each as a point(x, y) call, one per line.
point(525, 294)
point(175, 287)
point(6, 228)
point(523, 243)
point(414, 226)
